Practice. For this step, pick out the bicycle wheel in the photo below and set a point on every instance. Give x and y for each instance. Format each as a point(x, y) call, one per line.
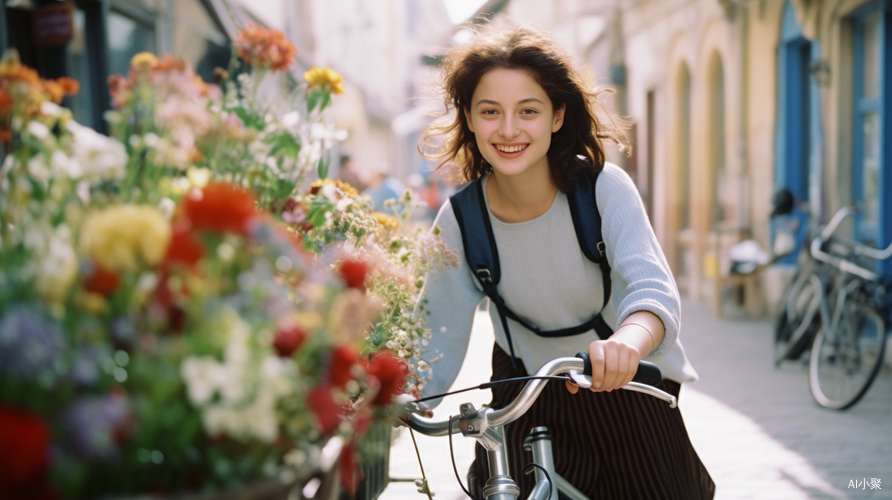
point(799, 320)
point(844, 362)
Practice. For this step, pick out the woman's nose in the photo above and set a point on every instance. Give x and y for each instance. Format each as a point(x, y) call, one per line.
point(509, 128)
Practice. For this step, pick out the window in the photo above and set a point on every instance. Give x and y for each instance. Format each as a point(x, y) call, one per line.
point(868, 84)
point(79, 67)
point(129, 33)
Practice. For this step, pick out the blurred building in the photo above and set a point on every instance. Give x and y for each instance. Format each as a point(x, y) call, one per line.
point(734, 99)
point(383, 49)
point(91, 39)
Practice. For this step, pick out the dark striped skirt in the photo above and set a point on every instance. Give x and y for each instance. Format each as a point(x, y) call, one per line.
point(610, 445)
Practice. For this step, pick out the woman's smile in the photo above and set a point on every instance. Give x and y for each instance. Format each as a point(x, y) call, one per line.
point(510, 151)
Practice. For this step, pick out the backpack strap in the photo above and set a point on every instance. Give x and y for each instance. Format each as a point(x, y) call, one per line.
point(469, 206)
point(587, 222)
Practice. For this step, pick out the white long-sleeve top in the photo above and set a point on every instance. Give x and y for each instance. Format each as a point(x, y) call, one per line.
point(547, 279)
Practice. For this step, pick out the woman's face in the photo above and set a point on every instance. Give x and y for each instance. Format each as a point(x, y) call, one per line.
point(512, 119)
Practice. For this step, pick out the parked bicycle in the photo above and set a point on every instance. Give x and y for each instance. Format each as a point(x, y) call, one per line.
point(848, 349)
point(795, 326)
point(839, 308)
point(486, 426)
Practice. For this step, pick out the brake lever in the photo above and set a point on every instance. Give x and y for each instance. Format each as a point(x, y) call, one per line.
point(580, 379)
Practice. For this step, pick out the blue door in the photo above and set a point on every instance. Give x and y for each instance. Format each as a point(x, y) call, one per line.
point(798, 138)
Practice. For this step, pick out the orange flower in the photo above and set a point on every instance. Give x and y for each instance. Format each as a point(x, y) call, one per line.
point(69, 85)
point(220, 207)
point(265, 48)
point(168, 63)
point(12, 68)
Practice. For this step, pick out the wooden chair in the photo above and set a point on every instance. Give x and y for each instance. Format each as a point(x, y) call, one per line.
point(717, 267)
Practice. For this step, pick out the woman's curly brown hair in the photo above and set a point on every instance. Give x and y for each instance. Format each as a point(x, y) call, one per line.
point(575, 149)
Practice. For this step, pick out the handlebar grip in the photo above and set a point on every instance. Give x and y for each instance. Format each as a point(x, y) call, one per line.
point(648, 373)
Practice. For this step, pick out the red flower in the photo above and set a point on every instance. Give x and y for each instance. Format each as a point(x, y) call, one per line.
point(362, 421)
point(220, 207)
point(102, 281)
point(354, 272)
point(390, 372)
point(289, 337)
point(5, 103)
point(351, 474)
point(327, 411)
point(183, 248)
point(165, 304)
point(339, 365)
point(24, 451)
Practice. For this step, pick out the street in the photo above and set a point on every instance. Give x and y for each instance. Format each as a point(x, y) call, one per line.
point(755, 427)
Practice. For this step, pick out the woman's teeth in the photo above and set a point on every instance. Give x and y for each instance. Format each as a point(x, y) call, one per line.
point(511, 149)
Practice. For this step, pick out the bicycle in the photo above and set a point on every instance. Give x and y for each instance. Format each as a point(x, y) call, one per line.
point(486, 426)
point(849, 347)
point(796, 324)
point(799, 319)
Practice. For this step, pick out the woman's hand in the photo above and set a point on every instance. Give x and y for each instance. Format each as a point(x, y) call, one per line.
point(615, 360)
point(614, 363)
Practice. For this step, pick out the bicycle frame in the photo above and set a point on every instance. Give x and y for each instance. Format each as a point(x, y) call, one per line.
point(486, 426)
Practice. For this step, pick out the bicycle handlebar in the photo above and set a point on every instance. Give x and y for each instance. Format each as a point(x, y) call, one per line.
point(516, 408)
point(848, 266)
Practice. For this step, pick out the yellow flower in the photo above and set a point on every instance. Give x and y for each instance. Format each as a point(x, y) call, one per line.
point(92, 303)
point(325, 78)
point(124, 237)
point(385, 220)
point(143, 60)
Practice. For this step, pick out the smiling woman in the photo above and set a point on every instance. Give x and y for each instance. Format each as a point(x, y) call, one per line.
point(528, 134)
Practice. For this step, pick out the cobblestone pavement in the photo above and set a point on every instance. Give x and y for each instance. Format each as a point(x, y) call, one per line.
point(755, 426)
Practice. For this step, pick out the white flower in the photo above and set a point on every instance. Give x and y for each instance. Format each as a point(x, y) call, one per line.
point(330, 192)
point(59, 265)
point(343, 203)
point(64, 165)
point(38, 130)
point(38, 170)
point(167, 207)
point(100, 157)
point(198, 373)
point(290, 120)
point(52, 109)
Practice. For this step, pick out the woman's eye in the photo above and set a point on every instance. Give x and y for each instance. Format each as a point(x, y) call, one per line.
point(528, 112)
point(489, 112)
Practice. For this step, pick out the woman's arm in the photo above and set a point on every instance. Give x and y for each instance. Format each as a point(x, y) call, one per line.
point(644, 292)
point(447, 302)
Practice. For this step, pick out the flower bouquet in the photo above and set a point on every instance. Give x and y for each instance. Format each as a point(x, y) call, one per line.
point(180, 312)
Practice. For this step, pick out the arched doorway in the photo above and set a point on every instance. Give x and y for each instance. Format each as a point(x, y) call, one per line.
point(683, 260)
